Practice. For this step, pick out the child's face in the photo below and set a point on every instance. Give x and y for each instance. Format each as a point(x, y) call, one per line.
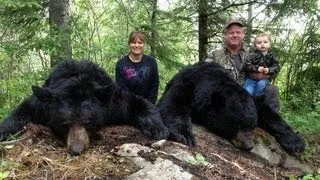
point(262, 43)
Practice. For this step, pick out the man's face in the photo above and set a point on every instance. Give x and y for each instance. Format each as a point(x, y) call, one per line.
point(234, 35)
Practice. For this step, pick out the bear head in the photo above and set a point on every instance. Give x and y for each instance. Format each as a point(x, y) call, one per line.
point(73, 110)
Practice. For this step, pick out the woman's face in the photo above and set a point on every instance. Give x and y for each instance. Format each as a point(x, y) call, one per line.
point(136, 47)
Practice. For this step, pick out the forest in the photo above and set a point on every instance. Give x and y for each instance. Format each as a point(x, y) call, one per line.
point(37, 34)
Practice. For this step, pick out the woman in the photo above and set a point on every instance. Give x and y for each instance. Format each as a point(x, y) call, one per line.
point(137, 72)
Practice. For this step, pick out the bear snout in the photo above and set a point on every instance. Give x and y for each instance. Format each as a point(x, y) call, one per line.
point(243, 140)
point(77, 140)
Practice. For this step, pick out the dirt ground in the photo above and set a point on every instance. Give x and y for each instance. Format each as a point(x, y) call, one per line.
point(39, 155)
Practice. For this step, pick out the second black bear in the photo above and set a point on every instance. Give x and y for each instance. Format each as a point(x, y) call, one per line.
point(76, 100)
point(206, 94)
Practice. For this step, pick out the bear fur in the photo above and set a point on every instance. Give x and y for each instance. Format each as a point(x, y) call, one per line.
point(206, 94)
point(76, 100)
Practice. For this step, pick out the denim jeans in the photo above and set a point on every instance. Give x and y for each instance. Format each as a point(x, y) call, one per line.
point(255, 87)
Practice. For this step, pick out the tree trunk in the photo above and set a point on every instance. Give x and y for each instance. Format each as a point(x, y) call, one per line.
point(249, 25)
point(60, 30)
point(153, 29)
point(203, 29)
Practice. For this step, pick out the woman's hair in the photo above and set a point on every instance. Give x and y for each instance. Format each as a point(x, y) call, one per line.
point(135, 35)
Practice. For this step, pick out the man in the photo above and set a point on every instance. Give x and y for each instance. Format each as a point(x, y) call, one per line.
point(232, 56)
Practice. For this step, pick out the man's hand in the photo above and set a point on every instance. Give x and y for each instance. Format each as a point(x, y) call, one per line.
point(259, 76)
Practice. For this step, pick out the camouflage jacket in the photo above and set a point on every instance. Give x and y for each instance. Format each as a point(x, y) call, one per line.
point(223, 57)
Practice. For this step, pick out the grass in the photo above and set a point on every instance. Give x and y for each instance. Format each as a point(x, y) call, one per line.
point(4, 169)
point(305, 122)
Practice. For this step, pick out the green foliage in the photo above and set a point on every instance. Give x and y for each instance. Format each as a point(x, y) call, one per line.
point(16, 89)
point(20, 4)
point(304, 121)
point(165, 75)
point(315, 176)
point(303, 98)
point(199, 160)
point(21, 18)
point(4, 169)
point(96, 35)
point(4, 174)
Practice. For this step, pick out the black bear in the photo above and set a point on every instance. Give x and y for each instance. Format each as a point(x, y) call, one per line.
point(206, 94)
point(77, 99)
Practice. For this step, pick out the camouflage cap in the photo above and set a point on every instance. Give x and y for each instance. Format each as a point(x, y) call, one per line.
point(234, 21)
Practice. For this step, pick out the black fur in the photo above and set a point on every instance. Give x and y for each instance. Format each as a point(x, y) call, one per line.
point(81, 93)
point(206, 94)
point(273, 123)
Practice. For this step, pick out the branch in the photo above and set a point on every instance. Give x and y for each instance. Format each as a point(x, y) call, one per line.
point(230, 6)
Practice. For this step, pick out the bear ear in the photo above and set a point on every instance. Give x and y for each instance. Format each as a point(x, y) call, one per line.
point(104, 93)
point(43, 94)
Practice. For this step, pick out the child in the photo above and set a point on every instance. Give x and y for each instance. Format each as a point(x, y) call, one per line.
point(263, 61)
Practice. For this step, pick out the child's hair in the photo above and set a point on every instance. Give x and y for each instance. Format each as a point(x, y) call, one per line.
point(261, 35)
point(135, 35)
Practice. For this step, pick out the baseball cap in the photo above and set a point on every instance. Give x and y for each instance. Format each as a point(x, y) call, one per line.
point(234, 20)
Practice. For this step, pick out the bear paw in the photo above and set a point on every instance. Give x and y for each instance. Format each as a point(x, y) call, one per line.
point(185, 137)
point(291, 143)
point(157, 132)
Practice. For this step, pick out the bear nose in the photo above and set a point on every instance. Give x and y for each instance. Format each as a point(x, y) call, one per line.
point(243, 140)
point(78, 140)
point(77, 149)
point(247, 147)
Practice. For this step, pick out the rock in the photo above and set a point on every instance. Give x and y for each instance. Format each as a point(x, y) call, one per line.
point(132, 150)
point(275, 156)
point(161, 169)
point(158, 169)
